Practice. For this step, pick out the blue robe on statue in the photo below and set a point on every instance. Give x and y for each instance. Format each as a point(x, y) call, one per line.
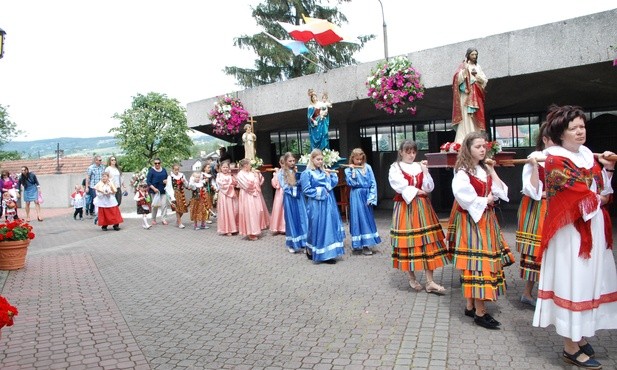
point(318, 127)
point(325, 232)
point(361, 201)
point(296, 221)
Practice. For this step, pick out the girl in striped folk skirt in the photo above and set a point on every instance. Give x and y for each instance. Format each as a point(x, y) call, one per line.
point(531, 215)
point(479, 248)
point(416, 235)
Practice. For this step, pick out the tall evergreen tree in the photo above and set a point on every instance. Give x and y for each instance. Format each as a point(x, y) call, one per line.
point(277, 63)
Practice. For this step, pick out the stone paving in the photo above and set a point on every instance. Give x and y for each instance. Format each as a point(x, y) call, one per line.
point(168, 298)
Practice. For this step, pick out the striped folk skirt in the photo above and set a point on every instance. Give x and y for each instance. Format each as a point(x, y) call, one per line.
point(528, 236)
point(480, 251)
point(417, 237)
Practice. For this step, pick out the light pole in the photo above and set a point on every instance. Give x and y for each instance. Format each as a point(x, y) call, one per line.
point(385, 32)
point(2, 33)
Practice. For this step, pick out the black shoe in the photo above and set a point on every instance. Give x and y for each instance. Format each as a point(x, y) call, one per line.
point(484, 322)
point(309, 254)
point(330, 261)
point(104, 228)
point(471, 313)
point(573, 359)
point(116, 227)
point(491, 319)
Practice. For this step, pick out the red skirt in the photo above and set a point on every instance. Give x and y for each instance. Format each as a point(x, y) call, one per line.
point(109, 216)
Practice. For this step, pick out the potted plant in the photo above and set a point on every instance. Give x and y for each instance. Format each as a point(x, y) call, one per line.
point(15, 238)
point(394, 85)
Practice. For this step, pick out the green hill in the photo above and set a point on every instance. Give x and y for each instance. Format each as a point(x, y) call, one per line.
point(102, 145)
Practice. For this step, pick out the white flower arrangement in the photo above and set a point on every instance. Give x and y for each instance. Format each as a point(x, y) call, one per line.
point(330, 158)
point(257, 162)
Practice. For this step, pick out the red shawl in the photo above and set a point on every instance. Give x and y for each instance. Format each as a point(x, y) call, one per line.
point(569, 198)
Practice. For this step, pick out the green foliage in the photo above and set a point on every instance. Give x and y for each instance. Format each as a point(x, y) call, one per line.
point(8, 128)
point(154, 127)
point(277, 63)
point(12, 155)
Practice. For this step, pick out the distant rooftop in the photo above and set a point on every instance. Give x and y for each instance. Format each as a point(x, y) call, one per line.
point(48, 166)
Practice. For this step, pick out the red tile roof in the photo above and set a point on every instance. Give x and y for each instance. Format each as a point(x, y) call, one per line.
point(48, 166)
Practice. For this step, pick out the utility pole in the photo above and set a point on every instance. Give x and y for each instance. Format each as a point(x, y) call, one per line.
point(59, 153)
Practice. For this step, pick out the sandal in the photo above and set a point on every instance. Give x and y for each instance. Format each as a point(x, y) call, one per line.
point(164, 222)
point(573, 359)
point(39, 219)
point(587, 349)
point(415, 285)
point(434, 288)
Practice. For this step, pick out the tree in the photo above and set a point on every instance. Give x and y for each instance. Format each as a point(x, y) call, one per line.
point(277, 63)
point(8, 130)
point(154, 127)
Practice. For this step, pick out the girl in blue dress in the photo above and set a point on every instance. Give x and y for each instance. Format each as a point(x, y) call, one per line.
point(360, 178)
point(294, 207)
point(325, 228)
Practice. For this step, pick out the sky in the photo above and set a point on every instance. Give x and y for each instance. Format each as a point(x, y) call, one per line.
point(70, 65)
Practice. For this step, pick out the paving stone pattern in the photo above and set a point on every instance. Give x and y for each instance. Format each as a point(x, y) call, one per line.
point(167, 298)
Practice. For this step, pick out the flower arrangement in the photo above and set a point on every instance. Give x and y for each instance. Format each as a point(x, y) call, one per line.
point(7, 312)
point(492, 147)
point(449, 147)
point(394, 85)
point(257, 162)
point(138, 178)
point(228, 115)
point(330, 158)
point(16, 230)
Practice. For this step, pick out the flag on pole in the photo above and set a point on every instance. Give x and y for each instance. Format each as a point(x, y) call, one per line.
point(324, 32)
point(296, 47)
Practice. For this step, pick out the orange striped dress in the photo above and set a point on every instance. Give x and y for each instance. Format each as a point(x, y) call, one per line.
point(479, 249)
point(417, 239)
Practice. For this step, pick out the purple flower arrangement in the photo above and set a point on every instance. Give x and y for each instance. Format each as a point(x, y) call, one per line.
point(394, 85)
point(228, 116)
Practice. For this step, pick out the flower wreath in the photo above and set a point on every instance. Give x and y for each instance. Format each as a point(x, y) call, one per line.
point(228, 115)
point(394, 85)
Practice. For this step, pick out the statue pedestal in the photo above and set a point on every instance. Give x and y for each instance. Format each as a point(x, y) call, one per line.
point(448, 159)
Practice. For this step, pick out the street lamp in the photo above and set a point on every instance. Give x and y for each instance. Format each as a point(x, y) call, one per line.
point(2, 33)
point(385, 32)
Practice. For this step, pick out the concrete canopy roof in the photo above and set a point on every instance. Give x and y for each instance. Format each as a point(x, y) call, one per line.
point(567, 62)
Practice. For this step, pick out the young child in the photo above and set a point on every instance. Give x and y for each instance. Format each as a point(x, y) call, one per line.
point(227, 210)
point(277, 221)
point(142, 197)
point(78, 201)
point(9, 207)
point(176, 183)
point(198, 206)
point(418, 241)
point(296, 221)
point(253, 216)
point(360, 178)
point(475, 235)
point(210, 188)
point(325, 229)
point(531, 214)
